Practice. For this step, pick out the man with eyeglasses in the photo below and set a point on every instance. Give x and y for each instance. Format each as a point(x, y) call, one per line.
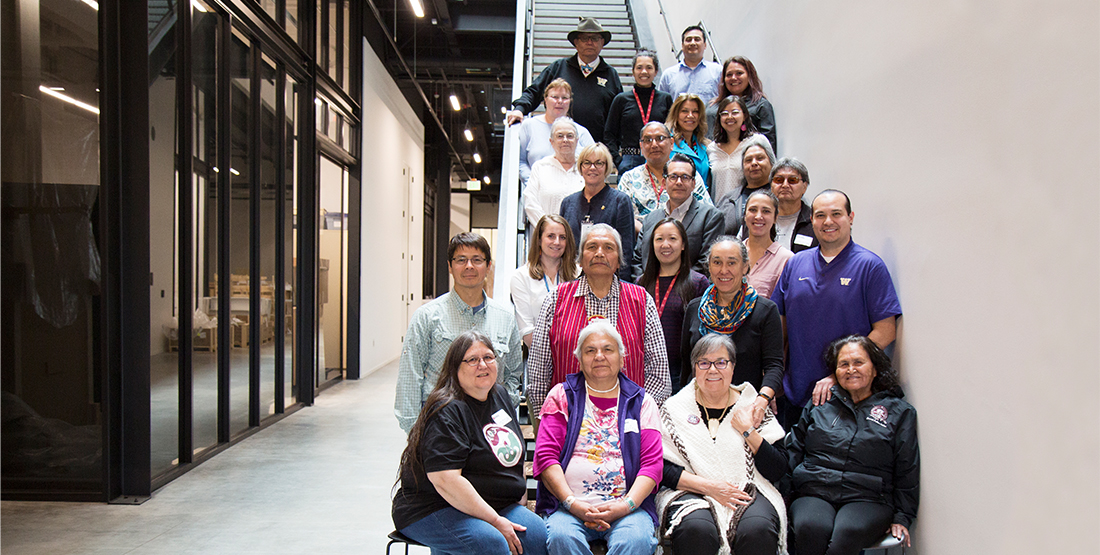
point(793, 225)
point(693, 75)
point(645, 184)
point(595, 83)
point(437, 323)
point(703, 222)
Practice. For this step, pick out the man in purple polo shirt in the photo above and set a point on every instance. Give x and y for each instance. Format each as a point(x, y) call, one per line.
point(824, 293)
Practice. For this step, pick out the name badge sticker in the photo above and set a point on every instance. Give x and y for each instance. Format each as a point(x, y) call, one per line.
point(804, 240)
point(630, 425)
point(501, 417)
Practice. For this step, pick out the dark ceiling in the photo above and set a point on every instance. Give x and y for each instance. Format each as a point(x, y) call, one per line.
point(464, 47)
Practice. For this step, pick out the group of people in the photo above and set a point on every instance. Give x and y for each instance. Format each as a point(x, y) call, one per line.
point(708, 370)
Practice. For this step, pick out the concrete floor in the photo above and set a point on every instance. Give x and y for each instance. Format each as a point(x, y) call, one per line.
point(318, 482)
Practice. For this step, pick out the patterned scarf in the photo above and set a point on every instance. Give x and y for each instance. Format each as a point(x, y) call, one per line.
point(725, 319)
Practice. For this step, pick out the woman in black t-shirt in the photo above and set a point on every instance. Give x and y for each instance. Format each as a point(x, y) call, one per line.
point(462, 483)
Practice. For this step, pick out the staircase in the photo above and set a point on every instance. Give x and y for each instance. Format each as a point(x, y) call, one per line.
point(553, 19)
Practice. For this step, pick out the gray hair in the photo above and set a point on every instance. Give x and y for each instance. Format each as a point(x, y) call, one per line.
point(760, 141)
point(614, 233)
point(599, 325)
point(664, 128)
point(712, 342)
point(792, 163)
point(564, 120)
point(728, 239)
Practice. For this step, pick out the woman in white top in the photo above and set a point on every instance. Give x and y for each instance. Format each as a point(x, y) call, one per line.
point(552, 259)
point(555, 177)
point(534, 132)
point(734, 127)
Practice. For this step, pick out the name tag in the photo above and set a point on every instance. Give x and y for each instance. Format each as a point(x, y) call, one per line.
point(630, 425)
point(586, 225)
point(804, 240)
point(501, 417)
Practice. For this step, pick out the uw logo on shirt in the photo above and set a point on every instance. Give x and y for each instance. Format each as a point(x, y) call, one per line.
point(504, 443)
point(845, 281)
point(601, 81)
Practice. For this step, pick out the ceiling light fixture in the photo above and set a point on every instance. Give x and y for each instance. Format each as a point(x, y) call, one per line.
point(455, 103)
point(69, 99)
point(477, 158)
point(486, 178)
point(92, 3)
point(469, 135)
point(418, 8)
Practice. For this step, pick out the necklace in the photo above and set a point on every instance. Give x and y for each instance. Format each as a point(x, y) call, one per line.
point(713, 424)
point(594, 390)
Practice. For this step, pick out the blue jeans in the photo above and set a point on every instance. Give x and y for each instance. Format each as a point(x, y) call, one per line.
point(451, 531)
point(632, 534)
point(629, 162)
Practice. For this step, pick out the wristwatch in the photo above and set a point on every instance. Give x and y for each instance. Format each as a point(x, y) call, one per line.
point(745, 434)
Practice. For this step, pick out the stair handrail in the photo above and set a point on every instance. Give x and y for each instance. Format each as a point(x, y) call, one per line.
point(509, 216)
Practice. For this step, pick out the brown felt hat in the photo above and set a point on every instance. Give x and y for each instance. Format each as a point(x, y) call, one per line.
point(589, 25)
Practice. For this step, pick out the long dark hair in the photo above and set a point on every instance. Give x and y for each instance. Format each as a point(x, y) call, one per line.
point(886, 379)
point(756, 88)
point(720, 135)
point(447, 389)
point(648, 281)
point(568, 264)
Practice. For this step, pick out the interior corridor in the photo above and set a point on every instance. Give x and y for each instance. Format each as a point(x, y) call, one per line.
point(319, 482)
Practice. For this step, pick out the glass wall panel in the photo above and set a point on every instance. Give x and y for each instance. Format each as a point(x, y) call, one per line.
point(270, 7)
point(345, 45)
point(291, 22)
point(50, 268)
point(268, 151)
point(331, 267)
point(290, 237)
point(164, 364)
point(240, 252)
point(204, 218)
point(333, 40)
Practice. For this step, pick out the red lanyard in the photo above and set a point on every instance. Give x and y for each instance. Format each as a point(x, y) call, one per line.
point(647, 111)
point(662, 300)
point(653, 182)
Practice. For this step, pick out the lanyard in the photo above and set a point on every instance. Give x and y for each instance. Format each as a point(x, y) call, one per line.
point(663, 300)
point(653, 183)
point(547, 283)
point(647, 111)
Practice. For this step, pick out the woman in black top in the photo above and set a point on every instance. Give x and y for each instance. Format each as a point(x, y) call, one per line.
point(631, 110)
point(732, 307)
point(669, 279)
point(462, 484)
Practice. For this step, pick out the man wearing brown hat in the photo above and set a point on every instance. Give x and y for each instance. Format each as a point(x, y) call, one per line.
point(595, 83)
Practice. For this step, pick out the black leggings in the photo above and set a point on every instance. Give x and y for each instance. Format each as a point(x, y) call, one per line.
point(757, 531)
point(821, 528)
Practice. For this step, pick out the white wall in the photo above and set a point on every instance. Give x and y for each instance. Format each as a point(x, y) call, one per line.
point(393, 142)
point(967, 136)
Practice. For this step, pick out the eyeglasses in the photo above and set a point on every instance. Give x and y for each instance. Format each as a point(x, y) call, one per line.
point(792, 179)
point(681, 177)
point(596, 164)
point(560, 98)
point(588, 38)
point(720, 364)
point(657, 139)
point(565, 136)
point(462, 261)
point(473, 362)
point(729, 113)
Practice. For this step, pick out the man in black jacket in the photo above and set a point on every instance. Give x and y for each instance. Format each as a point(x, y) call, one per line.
point(595, 83)
point(790, 178)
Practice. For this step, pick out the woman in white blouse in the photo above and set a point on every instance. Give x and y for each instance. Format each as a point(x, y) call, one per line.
point(734, 127)
point(555, 177)
point(551, 260)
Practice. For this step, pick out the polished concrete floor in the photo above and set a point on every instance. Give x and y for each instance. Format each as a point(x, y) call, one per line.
point(318, 482)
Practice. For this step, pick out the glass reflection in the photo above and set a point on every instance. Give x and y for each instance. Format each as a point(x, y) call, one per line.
point(290, 237)
point(240, 253)
point(269, 293)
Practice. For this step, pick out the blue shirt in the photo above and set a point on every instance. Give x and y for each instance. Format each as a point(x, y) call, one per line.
point(824, 301)
point(432, 329)
point(698, 156)
point(702, 80)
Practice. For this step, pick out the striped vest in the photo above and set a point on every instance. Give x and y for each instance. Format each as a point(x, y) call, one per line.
point(570, 317)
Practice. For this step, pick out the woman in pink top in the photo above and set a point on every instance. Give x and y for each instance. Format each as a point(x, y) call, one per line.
point(766, 256)
point(598, 454)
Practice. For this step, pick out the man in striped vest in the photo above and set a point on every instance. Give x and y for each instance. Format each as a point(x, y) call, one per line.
point(597, 294)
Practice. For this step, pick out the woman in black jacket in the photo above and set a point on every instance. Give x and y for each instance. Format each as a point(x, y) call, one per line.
point(855, 459)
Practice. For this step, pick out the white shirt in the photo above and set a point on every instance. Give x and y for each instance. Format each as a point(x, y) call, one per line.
point(550, 183)
point(784, 227)
point(527, 296)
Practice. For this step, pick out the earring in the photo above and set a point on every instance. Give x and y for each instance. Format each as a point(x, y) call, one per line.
point(744, 279)
point(744, 127)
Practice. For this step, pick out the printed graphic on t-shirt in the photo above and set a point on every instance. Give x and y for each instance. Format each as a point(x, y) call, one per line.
point(504, 443)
